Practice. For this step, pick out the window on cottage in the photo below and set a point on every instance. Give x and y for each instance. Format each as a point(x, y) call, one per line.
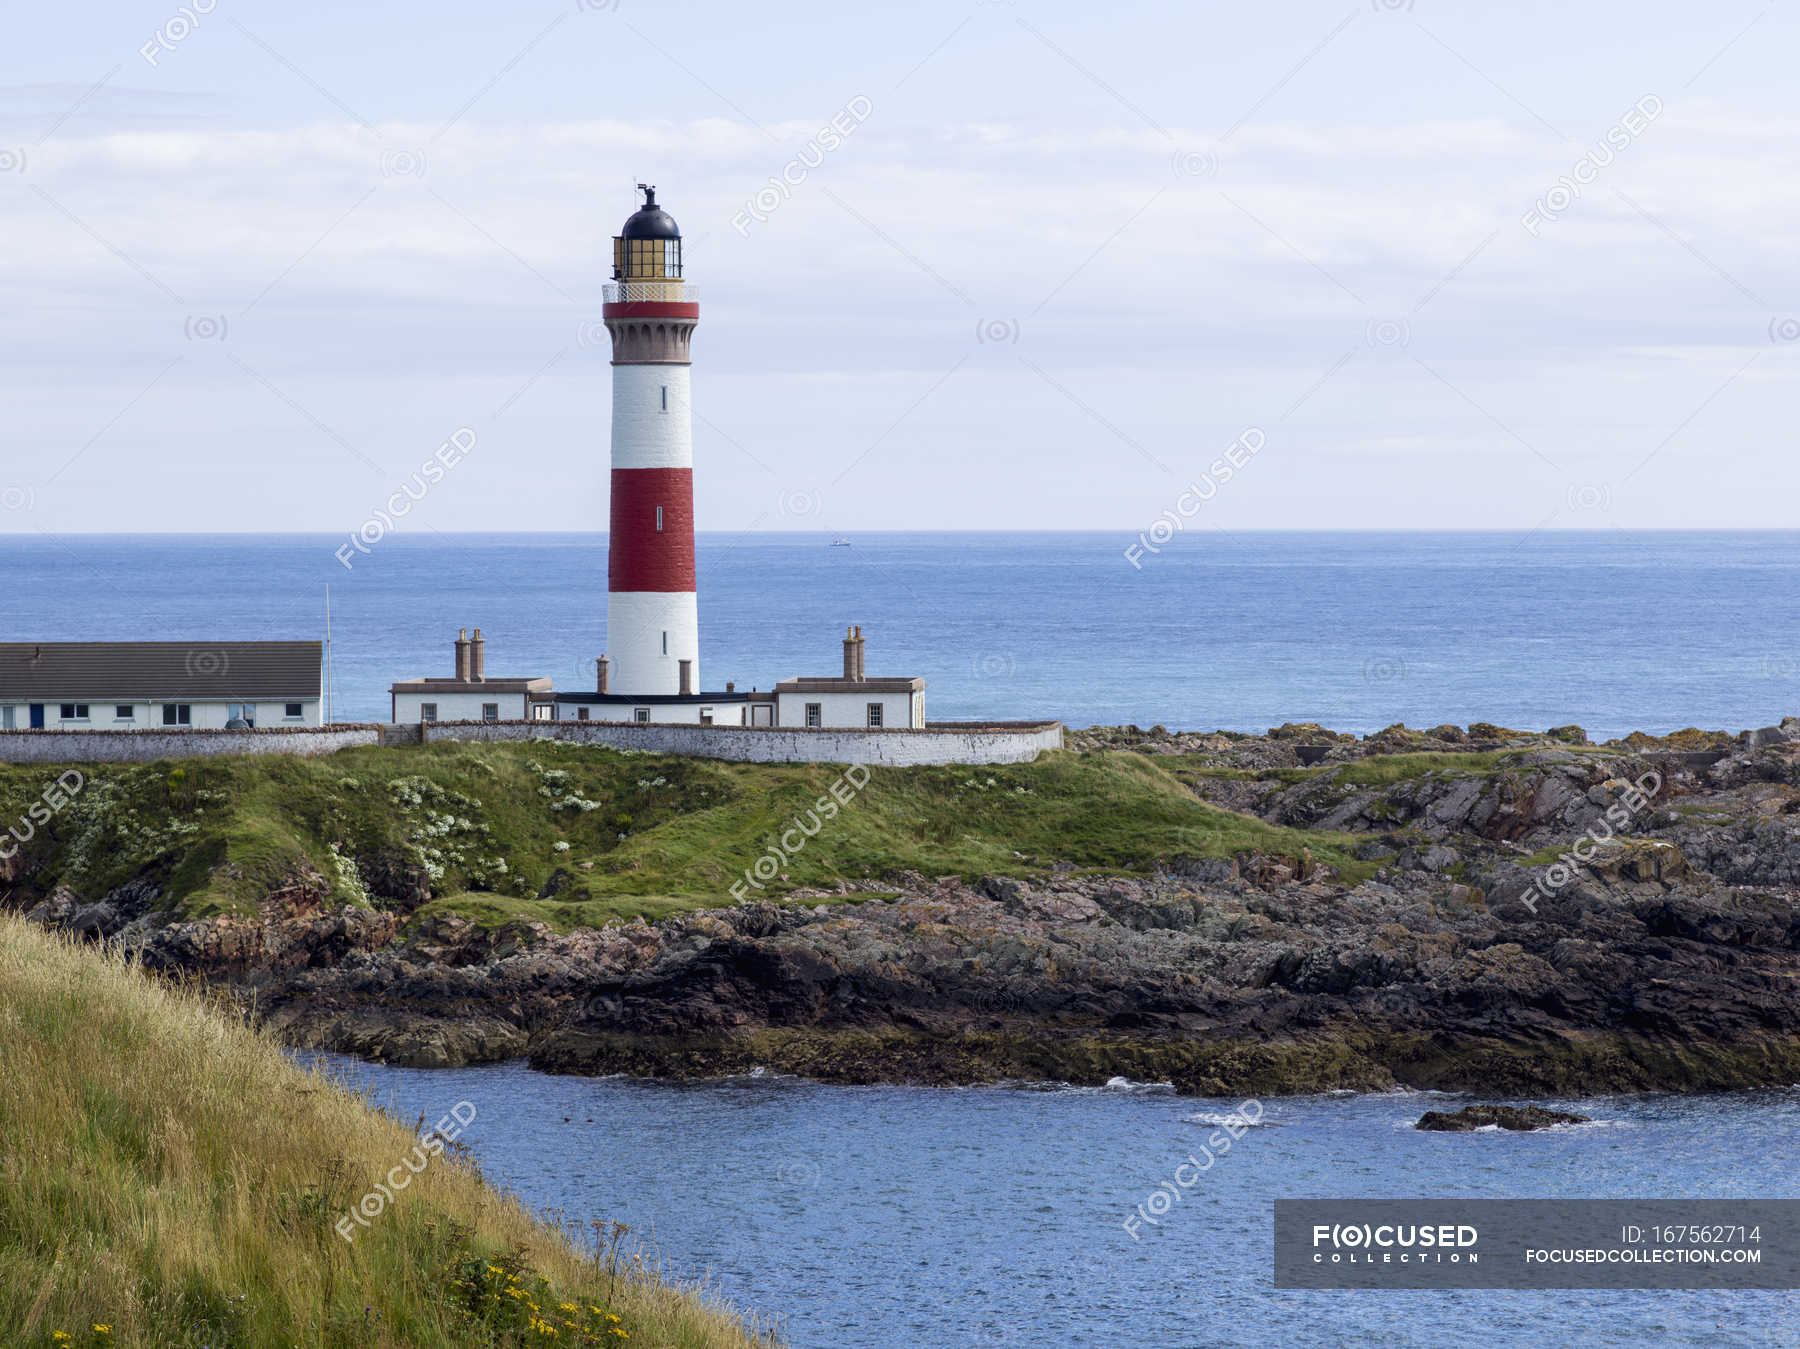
point(9, 719)
point(815, 714)
point(293, 711)
point(124, 712)
point(427, 711)
point(640, 714)
point(177, 714)
point(706, 716)
point(74, 711)
point(581, 714)
point(245, 712)
point(490, 711)
point(874, 714)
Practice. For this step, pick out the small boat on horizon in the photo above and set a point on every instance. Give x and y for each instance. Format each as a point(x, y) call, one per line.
point(840, 542)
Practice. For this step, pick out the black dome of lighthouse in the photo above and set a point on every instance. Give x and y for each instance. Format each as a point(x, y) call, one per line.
point(650, 221)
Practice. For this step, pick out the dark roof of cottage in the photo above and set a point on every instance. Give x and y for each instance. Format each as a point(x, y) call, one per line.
point(626, 699)
point(489, 684)
point(838, 684)
point(245, 671)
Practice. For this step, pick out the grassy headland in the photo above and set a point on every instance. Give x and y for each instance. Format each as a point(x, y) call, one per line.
point(168, 1177)
point(581, 835)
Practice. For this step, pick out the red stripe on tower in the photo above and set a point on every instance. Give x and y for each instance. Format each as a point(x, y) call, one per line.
point(652, 543)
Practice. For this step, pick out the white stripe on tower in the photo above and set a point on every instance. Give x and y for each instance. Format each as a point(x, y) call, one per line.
point(652, 426)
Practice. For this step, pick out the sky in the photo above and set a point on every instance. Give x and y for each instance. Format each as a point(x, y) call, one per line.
point(1446, 266)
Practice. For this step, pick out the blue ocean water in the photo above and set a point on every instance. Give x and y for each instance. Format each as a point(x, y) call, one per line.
point(880, 1217)
point(1611, 630)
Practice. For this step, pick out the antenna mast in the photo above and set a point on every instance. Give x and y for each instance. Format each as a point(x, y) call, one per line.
point(328, 672)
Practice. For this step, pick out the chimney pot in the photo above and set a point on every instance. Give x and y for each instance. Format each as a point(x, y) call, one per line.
point(477, 657)
point(603, 679)
point(462, 655)
point(730, 686)
point(849, 653)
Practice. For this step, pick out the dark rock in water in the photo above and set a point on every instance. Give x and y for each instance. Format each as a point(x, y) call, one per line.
point(1475, 1117)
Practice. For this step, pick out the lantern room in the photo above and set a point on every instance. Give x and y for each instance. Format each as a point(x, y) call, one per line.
point(649, 247)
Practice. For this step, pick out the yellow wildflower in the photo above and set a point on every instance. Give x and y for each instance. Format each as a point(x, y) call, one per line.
point(102, 1330)
point(566, 1306)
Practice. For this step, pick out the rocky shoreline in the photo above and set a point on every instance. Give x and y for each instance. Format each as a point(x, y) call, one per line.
point(1528, 915)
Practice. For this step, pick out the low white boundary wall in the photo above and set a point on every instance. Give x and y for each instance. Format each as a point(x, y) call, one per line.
point(59, 747)
point(896, 747)
point(942, 743)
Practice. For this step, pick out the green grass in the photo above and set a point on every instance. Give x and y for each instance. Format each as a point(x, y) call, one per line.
point(169, 1175)
point(483, 829)
point(1382, 770)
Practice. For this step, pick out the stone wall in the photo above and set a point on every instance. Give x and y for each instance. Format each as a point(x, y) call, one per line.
point(59, 747)
point(937, 743)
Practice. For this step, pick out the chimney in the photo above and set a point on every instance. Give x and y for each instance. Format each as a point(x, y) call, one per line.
point(477, 657)
point(861, 668)
point(849, 653)
point(462, 654)
point(730, 686)
point(603, 677)
point(687, 678)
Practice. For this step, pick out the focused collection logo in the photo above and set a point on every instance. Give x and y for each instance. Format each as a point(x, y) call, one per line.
point(1395, 1243)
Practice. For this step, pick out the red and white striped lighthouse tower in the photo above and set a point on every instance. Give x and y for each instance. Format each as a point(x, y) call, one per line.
point(652, 617)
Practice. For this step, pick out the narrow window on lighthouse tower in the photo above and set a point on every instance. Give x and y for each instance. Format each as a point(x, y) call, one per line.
point(659, 519)
point(665, 397)
point(665, 643)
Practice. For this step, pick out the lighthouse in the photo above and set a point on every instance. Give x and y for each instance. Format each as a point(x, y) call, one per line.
point(652, 617)
point(650, 670)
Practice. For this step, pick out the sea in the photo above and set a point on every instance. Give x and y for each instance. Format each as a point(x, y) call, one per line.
point(1610, 630)
point(901, 1216)
point(961, 1218)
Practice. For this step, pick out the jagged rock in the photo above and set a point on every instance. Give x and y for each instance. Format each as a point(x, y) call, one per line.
point(394, 878)
point(95, 920)
point(56, 909)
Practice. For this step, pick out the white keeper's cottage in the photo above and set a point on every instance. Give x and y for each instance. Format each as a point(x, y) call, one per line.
point(174, 686)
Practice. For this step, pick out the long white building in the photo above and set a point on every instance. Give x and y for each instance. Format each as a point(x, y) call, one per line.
point(173, 686)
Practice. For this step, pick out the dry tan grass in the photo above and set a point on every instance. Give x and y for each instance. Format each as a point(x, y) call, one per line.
point(170, 1174)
